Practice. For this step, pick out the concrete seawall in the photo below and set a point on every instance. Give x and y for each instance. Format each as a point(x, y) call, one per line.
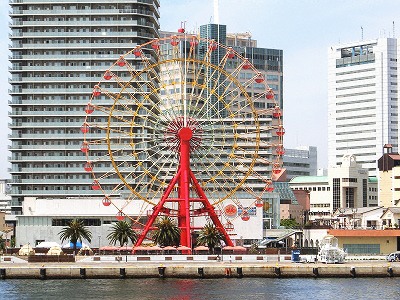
point(197, 270)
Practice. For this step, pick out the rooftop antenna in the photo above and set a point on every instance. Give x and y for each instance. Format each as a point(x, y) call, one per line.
point(394, 35)
point(362, 33)
point(216, 11)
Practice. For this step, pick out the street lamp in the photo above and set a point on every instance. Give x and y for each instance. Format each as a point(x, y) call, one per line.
point(99, 243)
point(126, 252)
point(354, 210)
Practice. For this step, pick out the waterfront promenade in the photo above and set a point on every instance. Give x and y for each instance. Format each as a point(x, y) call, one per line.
point(194, 266)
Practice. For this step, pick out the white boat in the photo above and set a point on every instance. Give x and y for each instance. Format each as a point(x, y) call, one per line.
point(329, 251)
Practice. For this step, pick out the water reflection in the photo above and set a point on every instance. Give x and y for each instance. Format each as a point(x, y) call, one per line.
point(201, 289)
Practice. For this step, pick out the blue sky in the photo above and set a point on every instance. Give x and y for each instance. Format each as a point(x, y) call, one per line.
point(303, 29)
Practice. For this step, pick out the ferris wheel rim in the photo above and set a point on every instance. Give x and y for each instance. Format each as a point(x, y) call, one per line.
point(157, 64)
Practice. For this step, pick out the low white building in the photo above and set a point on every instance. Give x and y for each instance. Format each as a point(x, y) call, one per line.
point(345, 186)
point(5, 198)
point(43, 219)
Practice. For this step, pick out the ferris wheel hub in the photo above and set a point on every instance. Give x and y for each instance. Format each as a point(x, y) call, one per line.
point(185, 134)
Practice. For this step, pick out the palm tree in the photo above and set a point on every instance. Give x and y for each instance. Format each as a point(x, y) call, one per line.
point(210, 236)
point(2, 244)
point(167, 232)
point(75, 231)
point(121, 232)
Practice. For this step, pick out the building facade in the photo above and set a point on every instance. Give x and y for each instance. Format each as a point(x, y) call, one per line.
point(301, 161)
point(5, 198)
point(362, 100)
point(59, 51)
point(346, 186)
point(389, 179)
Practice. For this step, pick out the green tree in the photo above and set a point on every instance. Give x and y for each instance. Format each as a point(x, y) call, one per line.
point(210, 236)
point(2, 244)
point(167, 232)
point(290, 223)
point(122, 232)
point(74, 232)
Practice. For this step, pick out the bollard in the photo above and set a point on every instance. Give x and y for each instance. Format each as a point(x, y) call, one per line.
point(2, 273)
point(278, 271)
point(161, 272)
point(390, 272)
point(82, 273)
point(42, 273)
point(353, 272)
point(228, 272)
point(122, 273)
point(315, 272)
point(239, 271)
point(200, 271)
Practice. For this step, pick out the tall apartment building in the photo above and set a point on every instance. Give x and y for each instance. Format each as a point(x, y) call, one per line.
point(59, 51)
point(300, 161)
point(269, 62)
point(363, 100)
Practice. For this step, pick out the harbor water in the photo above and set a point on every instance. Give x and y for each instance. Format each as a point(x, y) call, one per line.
point(202, 289)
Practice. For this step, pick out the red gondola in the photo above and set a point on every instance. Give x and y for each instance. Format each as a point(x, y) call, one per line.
point(107, 75)
point(85, 128)
point(106, 201)
point(89, 108)
point(121, 61)
point(96, 91)
point(280, 131)
point(88, 167)
point(84, 147)
point(259, 78)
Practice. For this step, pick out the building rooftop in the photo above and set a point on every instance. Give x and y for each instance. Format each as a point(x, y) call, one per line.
point(285, 192)
point(364, 232)
point(309, 179)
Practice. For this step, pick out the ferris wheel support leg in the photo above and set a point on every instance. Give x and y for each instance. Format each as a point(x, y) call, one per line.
point(184, 209)
point(157, 209)
point(185, 135)
point(210, 210)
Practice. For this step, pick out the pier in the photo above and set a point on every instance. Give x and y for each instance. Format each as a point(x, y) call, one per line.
point(195, 266)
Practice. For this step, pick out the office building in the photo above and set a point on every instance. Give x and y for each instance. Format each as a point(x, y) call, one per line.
point(300, 161)
point(59, 51)
point(346, 186)
point(362, 100)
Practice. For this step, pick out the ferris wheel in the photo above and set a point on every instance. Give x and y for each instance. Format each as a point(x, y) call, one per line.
point(185, 127)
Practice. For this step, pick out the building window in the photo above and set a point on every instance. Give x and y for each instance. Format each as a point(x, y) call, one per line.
point(336, 193)
point(365, 192)
point(362, 248)
point(349, 197)
point(349, 179)
point(66, 222)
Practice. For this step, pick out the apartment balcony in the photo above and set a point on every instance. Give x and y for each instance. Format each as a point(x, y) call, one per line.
point(82, 102)
point(56, 170)
point(78, 80)
point(50, 91)
point(80, 46)
point(62, 68)
point(85, 1)
point(16, 11)
point(89, 35)
point(56, 193)
point(44, 159)
point(89, 23)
